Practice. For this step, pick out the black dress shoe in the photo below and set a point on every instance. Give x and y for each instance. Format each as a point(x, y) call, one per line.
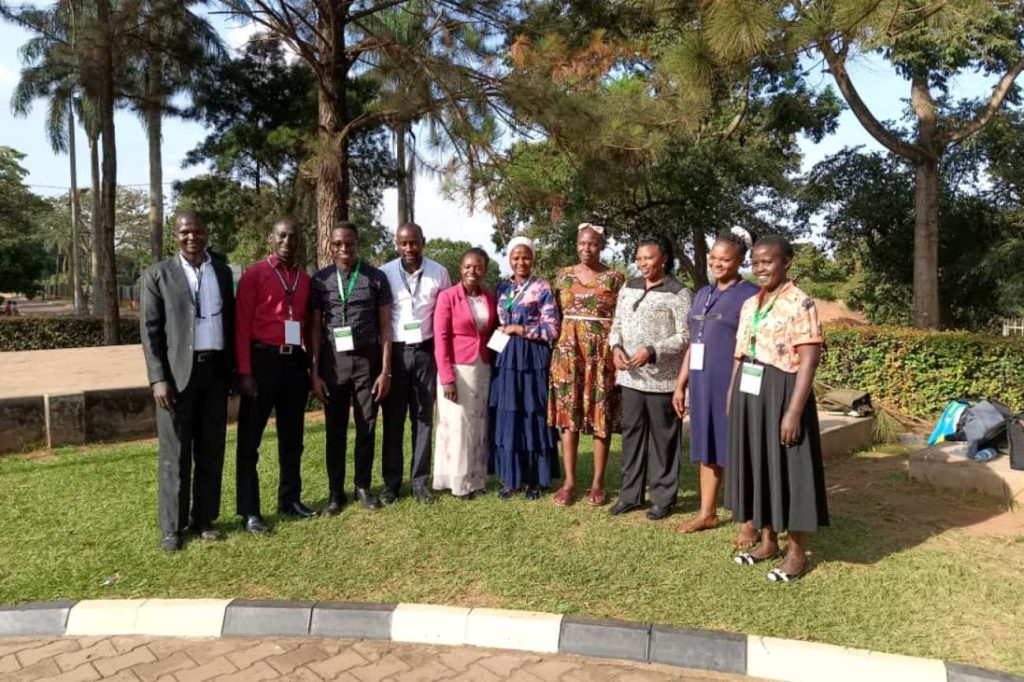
point(298, 510)
point(368, 499)
point(170, 542)
point(423, 495)
point(254, 524)
point(621, 507)
point(335, 505)
point(209, 532)
point(656, 513)
point(388, 497)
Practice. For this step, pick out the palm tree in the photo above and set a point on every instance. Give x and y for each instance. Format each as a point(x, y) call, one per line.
point(176, 42)
point(50, 72)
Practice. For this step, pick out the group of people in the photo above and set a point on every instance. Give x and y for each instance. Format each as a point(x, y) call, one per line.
point(510, 374)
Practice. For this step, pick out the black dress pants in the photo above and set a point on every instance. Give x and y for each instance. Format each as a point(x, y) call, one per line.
point(282, 385)
point(350, 378)
point(413, 392)
point(650, 447)
point(191, 458)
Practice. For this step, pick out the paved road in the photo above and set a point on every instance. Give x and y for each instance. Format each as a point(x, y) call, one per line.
point(71, 659)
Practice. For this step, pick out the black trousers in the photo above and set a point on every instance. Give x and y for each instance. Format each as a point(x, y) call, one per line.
point(413, 392)
point(191, 458)
point(282, 385)
point(650, 447)
point(350, 378)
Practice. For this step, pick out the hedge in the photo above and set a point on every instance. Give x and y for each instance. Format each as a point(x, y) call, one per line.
point(41, 333)
point(915, 372)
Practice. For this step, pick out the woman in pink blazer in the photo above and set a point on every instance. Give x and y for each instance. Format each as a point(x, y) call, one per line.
point(464, 319)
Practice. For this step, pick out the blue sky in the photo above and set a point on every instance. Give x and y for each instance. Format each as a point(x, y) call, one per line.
point(48, 173)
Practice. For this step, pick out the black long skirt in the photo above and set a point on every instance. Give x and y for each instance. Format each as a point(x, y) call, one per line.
point(766, 482)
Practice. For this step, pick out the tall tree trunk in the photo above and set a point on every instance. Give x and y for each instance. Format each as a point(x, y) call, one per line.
point(76, 281)
point(97, 267)
point(154, 129)
point(700, 258)
point(926, 245)
point(332, 182)
point(404, 216)
point(108, 181)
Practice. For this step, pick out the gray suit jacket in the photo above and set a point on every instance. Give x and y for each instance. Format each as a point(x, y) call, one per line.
point(168, 320)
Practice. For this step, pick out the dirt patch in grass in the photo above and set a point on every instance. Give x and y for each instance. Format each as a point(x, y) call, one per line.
point(874, 487)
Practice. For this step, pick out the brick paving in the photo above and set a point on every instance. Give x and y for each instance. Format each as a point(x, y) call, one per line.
point(148, 659)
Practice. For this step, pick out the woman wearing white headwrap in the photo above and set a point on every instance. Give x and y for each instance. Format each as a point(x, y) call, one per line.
point(524, 451)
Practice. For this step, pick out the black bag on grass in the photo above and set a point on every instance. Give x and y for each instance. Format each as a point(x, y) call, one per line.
point(847, 400)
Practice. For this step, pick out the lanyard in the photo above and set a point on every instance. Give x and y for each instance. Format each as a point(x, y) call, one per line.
point(709, 304)
point(289, 292)
point(514, 298)
point(405, 281)
point(759, 315)
point(345, 292)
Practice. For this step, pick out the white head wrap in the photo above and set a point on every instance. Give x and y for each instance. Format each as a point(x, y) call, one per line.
point(742, 234)
point(520, 241)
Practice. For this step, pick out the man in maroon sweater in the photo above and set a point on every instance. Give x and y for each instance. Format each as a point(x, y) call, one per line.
point(271, 322)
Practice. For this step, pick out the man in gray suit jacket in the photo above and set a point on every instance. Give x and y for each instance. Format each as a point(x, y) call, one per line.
point(187, 325)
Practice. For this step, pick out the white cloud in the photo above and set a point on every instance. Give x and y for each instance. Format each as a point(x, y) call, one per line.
point(8, 76)
point(237, 35)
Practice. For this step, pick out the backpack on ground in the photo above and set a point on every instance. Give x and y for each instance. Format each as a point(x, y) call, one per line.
point(847, 400)
point(983, 424)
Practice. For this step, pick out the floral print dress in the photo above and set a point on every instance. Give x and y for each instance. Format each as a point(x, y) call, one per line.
point(581, 396)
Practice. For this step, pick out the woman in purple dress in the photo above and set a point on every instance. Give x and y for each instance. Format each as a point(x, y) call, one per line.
point(707, 369)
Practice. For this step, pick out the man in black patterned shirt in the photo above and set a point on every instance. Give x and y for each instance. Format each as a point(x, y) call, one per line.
point(350, 340)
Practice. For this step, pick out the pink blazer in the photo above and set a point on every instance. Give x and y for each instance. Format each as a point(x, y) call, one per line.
point(456, 339)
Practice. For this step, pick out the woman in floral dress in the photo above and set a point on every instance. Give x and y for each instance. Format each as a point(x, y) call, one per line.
point(582, 396)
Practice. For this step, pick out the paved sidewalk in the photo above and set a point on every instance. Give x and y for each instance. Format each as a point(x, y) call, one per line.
point(149, 659)
point(68, 370)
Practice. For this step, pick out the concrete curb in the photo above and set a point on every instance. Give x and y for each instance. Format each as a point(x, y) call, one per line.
point(766, 657)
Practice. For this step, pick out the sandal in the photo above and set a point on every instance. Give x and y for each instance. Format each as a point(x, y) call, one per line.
point(597, 497)
point(748, 559)
point(777, 575)
point(564, 497)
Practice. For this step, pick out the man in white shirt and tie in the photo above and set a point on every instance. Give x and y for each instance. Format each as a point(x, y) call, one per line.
point(415, 283)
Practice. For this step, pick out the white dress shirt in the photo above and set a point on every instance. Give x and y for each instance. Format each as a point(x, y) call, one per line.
point(208, 333)
point(415, 295)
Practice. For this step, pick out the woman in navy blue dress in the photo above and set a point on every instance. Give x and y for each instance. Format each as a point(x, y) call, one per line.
point(707, 369)
point(524, 449)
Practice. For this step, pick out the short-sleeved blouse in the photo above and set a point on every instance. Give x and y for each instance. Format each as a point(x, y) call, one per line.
point(792, 321)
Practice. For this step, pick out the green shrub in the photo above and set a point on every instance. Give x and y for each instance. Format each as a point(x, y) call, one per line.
point(42, 333)
point(915, 372)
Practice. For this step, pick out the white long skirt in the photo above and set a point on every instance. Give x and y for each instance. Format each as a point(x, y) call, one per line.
point(460, 446)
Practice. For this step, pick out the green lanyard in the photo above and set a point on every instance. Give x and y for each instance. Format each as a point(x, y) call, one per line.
point(759, 315)
point(345, 292)
point(511, 300)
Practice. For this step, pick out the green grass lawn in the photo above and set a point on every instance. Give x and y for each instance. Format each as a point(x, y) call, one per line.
point(883, 579)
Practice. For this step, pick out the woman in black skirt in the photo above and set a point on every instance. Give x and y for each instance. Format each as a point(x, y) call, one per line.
point(775, 476)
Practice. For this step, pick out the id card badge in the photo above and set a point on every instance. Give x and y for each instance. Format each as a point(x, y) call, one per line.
point(499, 340)
point(750, 378)
point(412, 332)
point(696, 357)
point(343, 341)
point(292, 335)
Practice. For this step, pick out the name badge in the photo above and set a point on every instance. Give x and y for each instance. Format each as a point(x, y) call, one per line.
point(292, 336)
point(412, 332)
point(750, 378)
point(343, 341)
point(499, 340)
point(696, 357)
